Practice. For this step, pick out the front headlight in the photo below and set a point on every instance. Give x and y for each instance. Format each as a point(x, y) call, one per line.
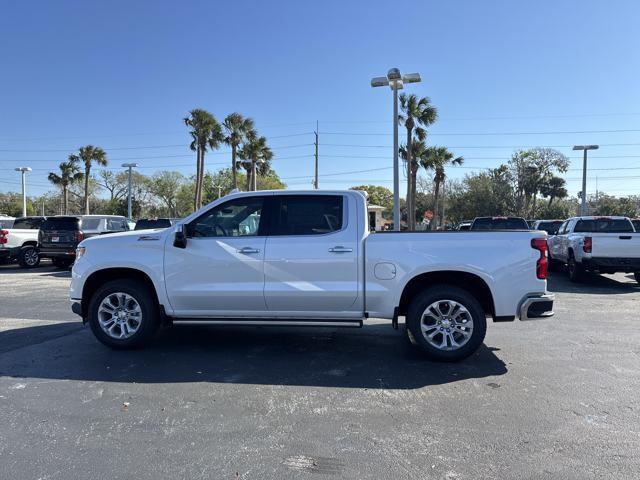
point(80, 252)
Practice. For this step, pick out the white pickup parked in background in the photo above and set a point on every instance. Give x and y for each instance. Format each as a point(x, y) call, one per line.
point(596, 244)
point(20, 242)
point(307, 258)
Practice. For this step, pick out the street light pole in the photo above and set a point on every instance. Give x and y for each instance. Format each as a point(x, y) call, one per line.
point(584, 148)
point(24, 170)
point(396, 82)
point(130, 166)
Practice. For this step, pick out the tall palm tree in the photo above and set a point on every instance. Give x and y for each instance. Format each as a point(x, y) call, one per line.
point(554, 187)
point(69, 174)
point(237, 129)
point(257, 156)
point(205, 132)
point(416, 113)
point(415, 154)
point(437, 158)
point(89, 155)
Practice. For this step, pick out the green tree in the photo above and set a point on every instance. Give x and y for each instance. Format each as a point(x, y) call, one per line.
point(165, 186)
point(237, 129)
point(416, 113)
point(554, 188)
point(205, 133)
point(257, 159)
point(377, 195)
point(69, 173)
point(89, 155)
point(114, 183)
point(437, 159)
point(418, 150)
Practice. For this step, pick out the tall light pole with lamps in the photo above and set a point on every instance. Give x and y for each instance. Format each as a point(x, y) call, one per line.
point(130, 166)
point(584, 148)
point(396, 82)
point(24, 171)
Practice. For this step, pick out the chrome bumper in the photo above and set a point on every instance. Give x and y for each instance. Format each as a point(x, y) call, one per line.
point(535, 307)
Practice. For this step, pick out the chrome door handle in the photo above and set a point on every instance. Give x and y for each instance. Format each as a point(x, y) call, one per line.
point(246, 250)
point(340, 249)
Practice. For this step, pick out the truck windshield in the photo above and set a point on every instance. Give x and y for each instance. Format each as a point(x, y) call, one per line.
point(550, 227)
point(604, 225)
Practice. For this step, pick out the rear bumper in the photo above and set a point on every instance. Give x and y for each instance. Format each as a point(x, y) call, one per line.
point(612, 263)
point(57, 253)
point(536, 307)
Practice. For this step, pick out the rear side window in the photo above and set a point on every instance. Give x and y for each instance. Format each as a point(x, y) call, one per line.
point(116, 225)
point(28, 223)
point(604, 225)
point(499, 224)
point(307, 214)
point(91, 223)
point(61, 223)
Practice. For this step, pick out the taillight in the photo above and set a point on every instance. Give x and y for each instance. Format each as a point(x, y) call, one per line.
point(542, 266)
point(3, 236)
point(79, 235)
point(587, 245)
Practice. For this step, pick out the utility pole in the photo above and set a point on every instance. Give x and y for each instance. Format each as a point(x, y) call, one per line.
point(130, 166)
point(584, 148)
point(315, 181)
point(24, 170)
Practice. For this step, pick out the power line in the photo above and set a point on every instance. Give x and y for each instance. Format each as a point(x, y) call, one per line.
point(476, 134)
point(482, 146)
point(145, 147)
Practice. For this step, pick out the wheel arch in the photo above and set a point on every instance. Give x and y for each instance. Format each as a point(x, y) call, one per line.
point(100, 277)
point(470, 282)
point(29, 243)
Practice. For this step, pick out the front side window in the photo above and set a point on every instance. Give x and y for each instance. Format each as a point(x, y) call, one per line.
point(235, 218)
point(307, 214)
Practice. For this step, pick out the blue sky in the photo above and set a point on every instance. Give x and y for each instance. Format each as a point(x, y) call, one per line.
point(123, 74)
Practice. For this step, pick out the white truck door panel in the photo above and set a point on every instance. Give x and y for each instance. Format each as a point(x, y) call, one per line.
point(311, 256)
point(221, 270)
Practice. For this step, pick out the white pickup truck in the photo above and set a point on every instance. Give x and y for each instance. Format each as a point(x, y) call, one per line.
point(20, 242)
point(596, 244)
point(308, 259)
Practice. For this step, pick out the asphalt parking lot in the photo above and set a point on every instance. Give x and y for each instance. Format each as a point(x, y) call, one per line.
point(555, 398)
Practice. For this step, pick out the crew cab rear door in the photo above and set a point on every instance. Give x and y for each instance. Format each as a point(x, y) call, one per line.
point(311, 256)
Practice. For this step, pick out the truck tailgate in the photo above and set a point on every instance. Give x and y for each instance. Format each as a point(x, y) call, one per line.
point(615, 245)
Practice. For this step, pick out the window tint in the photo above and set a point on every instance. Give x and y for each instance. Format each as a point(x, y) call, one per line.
point(307, 214)
point(563, 228)
point(499, 223)
point(550, 227)
point(116, 225)
point(60, 223)
point(91, 223)
point(604, 225)
point(636, 225)
point(28, 223)
point(235, 218)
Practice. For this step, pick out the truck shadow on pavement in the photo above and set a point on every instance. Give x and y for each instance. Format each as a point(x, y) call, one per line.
point(592, 284)
point(376, 357)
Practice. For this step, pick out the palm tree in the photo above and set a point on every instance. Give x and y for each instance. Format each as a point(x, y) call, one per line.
point(237, 130)
point(437, 158)
point(205, 132)
point(89, 155)
point(257, 156)
point(415, 155)
point(69, 173)
point(415, 111)
point(554, 187)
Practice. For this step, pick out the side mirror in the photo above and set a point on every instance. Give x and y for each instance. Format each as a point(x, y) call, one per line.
point(180, 239)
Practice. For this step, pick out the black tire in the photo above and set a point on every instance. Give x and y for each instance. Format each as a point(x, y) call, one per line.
point(150, 319)
point(443, 293)
point(636, 275)
point(575, 270)
point(28, 257)
point(61, 263)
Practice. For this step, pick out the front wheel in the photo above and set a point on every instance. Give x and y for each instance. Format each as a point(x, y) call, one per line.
point(29, 257)
point(447, 323)
point(123, 314)
point(575, 269)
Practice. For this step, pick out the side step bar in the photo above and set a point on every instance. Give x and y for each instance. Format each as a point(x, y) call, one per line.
point(351, 323)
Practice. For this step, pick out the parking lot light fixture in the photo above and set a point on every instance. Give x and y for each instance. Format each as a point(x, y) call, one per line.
point(24, 171)
point(130, 166)
point(584, 148)
point(395, 80)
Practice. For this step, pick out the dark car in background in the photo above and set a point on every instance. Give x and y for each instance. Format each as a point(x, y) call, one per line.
point(499, 223)
point(549, 226)
point(151, 223)
point(60, 235)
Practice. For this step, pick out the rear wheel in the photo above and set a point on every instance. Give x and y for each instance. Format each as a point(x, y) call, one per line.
point(123, 314)
point(575, 269)
point(28, 257)
point(447, 323)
